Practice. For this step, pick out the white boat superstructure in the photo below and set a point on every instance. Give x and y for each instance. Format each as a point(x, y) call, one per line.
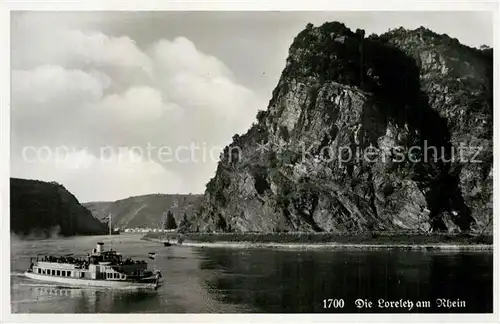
point(99, 269)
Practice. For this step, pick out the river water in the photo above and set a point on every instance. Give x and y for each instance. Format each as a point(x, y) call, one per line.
point(218, 280)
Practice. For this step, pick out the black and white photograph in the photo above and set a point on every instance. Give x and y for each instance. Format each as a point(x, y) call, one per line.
point(249, 162)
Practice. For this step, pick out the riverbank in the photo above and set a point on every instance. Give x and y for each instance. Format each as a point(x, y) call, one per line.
point(440, 242)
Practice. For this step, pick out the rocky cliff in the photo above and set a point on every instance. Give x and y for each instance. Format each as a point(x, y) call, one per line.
point(389, 132)
point(145, 211)
point(42, 209)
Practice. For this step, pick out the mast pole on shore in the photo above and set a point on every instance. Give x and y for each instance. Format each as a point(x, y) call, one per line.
point(110, 233)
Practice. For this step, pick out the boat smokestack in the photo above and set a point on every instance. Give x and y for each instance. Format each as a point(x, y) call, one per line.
point(99, 247)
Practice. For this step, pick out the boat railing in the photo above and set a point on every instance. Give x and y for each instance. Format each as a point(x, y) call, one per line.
point(78, 263)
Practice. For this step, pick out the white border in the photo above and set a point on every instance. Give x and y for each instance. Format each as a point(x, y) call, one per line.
point(281, 5)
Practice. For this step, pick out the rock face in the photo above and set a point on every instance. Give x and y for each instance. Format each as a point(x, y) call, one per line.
point(389, 132)
point(43, 209)
point(146, 211)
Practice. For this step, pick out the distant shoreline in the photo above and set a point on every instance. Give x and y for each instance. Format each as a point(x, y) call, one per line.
point(327, 241)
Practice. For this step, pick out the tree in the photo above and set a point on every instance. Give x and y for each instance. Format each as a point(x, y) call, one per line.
point(170, 221)
point(184, 224)
point(261, 115)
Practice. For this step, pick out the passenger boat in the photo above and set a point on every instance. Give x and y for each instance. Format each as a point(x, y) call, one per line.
point(100, 269)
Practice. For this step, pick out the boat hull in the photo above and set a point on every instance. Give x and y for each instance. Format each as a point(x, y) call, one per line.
point(92, 282)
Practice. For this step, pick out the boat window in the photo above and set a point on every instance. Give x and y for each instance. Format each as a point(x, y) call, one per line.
point(58, 273)
point(82, 274)
point(39, 270)
point(53, 272)
point(63, 273)
point(69, 273)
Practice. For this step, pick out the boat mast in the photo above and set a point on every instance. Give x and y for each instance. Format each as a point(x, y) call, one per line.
point(109, 217)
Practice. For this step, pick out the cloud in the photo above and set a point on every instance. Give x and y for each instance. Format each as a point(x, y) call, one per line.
point(180, 56)
point(52, 84)
point(102, 50)
point(82, 88)
point(121, 174)
point(216, 105)
point(136, 105)
point(36, 45)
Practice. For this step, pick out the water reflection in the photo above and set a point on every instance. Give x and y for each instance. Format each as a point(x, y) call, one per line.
point(468, 277)
point(82, 300)
point(290, 281)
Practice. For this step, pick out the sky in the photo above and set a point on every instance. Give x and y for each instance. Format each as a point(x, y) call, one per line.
point(118, 104)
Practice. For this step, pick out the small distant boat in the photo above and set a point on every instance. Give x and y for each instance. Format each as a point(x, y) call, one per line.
point(167, 244)
point(99, 269)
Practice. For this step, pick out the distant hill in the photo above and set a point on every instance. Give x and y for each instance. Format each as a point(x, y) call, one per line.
point(145, 211)
point(43, 209)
